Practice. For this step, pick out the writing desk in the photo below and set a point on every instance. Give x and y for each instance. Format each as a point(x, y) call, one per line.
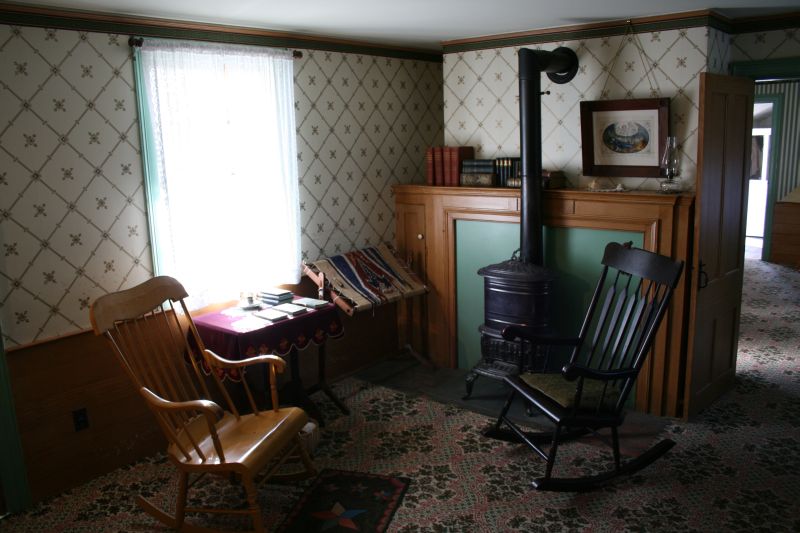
point(235, 333)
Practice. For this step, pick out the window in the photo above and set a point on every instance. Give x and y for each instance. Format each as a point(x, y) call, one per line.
point(220, 158)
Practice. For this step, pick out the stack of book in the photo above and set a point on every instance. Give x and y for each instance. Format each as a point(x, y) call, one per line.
point(443, 164)
point(477, 173)
point(508, 171)
point(275, 296)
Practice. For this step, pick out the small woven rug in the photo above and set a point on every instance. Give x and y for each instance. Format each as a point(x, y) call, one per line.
point(369, 277)
point(340, 500)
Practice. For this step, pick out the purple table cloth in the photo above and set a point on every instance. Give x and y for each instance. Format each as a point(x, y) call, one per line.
point(234, 333)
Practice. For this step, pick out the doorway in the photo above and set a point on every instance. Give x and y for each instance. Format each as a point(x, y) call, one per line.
point(758, 179)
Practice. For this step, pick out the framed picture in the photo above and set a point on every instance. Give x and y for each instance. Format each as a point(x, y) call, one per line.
point(624, 138)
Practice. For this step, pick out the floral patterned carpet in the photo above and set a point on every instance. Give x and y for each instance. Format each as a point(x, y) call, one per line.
point(735, 468)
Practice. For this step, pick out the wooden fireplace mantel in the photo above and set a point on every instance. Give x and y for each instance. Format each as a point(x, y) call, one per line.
point(425, 233)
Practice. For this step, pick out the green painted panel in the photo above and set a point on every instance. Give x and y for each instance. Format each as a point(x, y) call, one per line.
point(477, 244)
point(573, 253)
point(12, 461)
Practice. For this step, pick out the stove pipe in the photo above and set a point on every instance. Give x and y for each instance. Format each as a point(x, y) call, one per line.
point(561, 65)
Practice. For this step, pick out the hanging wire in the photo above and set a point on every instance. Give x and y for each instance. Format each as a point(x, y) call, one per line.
point(632, 36)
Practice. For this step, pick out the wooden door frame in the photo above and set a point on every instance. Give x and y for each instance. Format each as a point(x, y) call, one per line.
point(770, 69)
point(772, 167)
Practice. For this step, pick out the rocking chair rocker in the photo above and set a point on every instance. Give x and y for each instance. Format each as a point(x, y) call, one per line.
point(590, 392)
point(149, 329)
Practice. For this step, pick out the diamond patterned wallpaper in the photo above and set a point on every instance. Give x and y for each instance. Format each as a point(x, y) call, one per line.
point(766, 45)
point(719, 51)
point(481, 95)
point(72, 207)
point(73, 223)
point(364, 123)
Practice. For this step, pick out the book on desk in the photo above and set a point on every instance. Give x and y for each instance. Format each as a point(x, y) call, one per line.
point(312, 303)
point(290, 309)
point(273, 296)
point(271, 314)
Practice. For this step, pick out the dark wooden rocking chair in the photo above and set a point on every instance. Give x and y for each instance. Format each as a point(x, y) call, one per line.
point(152, 333)
point(591, 390)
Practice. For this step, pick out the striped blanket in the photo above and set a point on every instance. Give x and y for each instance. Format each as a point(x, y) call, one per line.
point(369, 277)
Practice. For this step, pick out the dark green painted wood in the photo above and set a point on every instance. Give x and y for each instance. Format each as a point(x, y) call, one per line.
point(148, 153)
point(146, 30)
point(12, 461)
point(780, 22)
point(573, 253)
point(477, 244)
point(768, 69)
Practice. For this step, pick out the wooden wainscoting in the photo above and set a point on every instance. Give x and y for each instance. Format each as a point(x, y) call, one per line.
point(51, 379)
point(426, 220)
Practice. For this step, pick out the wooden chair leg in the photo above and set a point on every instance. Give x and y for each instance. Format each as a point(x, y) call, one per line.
point(305, 457)
point(252, 503)
point(180, 503)
point(495, 431)
point(551, 456)
point(506, 407)
point(615, 446)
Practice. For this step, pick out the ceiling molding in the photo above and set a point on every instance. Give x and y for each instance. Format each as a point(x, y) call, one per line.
point(20, 15)
point(673, 21)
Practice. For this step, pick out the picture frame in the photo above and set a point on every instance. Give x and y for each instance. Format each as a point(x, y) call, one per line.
point(624, 138)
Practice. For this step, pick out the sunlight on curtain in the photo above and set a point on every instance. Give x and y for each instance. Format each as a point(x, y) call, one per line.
point(223, 187)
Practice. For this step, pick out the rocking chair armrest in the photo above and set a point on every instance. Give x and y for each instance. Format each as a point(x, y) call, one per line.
point(573, 371)
point(221, 362)
point(511, 333)
point(210, 410)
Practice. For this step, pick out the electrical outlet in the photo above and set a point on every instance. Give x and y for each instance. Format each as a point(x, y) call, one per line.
point(80, 419)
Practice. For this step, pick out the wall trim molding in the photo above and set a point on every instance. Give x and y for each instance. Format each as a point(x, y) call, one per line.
point(19, 15)
point(79, 20)
point(674, 21)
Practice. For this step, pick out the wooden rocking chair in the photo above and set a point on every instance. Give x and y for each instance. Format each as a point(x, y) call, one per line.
point(591, 391)
point(160, 349)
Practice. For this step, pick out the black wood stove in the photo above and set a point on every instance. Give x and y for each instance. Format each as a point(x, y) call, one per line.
point(519, 291)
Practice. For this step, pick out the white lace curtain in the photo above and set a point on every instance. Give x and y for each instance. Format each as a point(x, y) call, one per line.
point(221, 157)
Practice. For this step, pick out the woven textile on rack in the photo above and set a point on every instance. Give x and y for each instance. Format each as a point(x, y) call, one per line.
point(369, 277)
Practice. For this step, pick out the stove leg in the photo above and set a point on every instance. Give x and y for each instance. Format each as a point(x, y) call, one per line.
point(470, 381)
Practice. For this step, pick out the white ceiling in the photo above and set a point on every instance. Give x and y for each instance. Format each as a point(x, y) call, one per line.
point(413, 23)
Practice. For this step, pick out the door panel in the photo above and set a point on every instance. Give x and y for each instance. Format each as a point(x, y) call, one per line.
point(726, 116)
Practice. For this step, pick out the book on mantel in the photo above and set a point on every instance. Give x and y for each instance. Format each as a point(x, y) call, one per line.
point(443, 164)
point(453, 159)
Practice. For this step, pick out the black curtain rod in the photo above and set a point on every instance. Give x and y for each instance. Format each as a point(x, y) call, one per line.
point(138, 41)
